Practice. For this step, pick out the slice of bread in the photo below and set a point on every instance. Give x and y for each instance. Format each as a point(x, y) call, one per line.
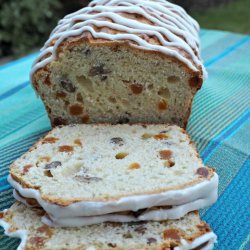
point(121, 61)
point(186, 233)
point(86, 170)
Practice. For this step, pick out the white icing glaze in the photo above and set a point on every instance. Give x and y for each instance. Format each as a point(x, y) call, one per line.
point(156, 215)
point(174, 29)
point(210, 237)
point(204, 190)
point(22, 234)
point(21, 199)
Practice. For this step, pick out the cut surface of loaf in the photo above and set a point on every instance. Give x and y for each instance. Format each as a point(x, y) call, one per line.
point(121, 62)
point(187, 233)
point(96, 169)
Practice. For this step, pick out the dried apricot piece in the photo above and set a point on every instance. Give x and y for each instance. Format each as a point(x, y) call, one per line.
point(134, 165)
point(121, 155)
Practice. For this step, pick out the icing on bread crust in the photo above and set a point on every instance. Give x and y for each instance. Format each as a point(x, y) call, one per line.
point(157, 26)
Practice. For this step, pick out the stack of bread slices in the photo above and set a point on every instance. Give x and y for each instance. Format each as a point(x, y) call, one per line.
point(131, 177)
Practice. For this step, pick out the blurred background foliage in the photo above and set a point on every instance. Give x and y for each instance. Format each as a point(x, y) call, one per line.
point(25, 24)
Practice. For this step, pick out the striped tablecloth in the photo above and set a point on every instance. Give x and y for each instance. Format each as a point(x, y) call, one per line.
point(219, 125)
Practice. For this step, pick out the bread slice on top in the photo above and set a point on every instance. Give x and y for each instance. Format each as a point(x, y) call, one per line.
point(85, 170)
point(186, 233)
point(121, 61)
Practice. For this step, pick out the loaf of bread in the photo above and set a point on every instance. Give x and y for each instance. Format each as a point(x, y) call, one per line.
point(121, 62)
point(187, 233)
point(94, 170)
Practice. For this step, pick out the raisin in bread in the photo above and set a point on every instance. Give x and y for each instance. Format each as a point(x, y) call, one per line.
point(90, 170)
point(121, 62)
point(186, 233)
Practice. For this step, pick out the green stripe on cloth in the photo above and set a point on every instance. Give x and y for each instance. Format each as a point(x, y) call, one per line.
point(219, 126)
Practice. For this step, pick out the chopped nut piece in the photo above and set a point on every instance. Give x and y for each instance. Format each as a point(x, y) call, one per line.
point(66, 148)
point(134, 165)
point(121, 155)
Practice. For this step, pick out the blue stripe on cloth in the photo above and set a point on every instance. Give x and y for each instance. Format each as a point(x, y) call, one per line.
point(229, 216)
point(234, 126)
point(23, 59)
point(20, 143)
point(227, 51)
point(13, 90)
point(4, 184)
point(9, 198)
point(22, 126)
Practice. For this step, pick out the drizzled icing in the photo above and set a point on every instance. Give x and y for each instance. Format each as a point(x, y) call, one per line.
point(175, 212)
point(210, 238)
point(174, 30)
point(206, 191)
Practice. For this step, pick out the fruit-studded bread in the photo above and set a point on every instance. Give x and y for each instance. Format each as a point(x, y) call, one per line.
point(187, 233)
point(121, 62)
point(87, 170)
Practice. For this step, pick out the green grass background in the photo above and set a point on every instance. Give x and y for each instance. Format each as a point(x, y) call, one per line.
point(234, 16)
